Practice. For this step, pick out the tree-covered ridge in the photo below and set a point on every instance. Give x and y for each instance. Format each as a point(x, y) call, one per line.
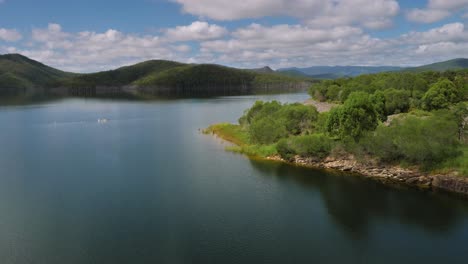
point(121, 76)
point(193, 75)
point(172, 78)
point(199, 75)
point(335, 72)
point(332, 72)
point(20, 72)
point(158, 77)
point(398, 92)
point(455, 64)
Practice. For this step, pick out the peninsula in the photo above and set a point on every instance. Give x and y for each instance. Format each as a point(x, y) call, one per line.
point(404, 127)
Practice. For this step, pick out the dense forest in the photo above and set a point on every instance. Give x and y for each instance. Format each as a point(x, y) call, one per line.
point(411, 119)
point(155, 77)
point(19, 73)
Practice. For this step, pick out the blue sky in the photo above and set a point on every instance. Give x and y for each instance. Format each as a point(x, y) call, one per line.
point(97, 35)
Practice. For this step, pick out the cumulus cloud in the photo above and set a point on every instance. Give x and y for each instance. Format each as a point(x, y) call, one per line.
point(9, 35)
point(284, 45)
point(436, 10)
point(91, 51)
point(445, 42)
point(255, 45)
point(321, 13)
point(195, 32)
point(447, 4)
point(427, 16)
point(296, 45)
point(453, 32)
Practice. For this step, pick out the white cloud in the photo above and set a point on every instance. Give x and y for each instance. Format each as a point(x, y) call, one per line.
point(445, 42)
point(447, 4)
point(251, 46)
point(371, 14)
point(296, 45)
point(436, 10)
point(427, 15)
point(320, 13)
point(91, 51)
point(454, 32)
point(195, 32)
point(283, 45)
point(9, 35)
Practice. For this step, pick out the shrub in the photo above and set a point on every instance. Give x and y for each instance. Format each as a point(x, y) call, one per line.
point(267, 130)
point(270, 121)
point(425, 141)
point(315, 145)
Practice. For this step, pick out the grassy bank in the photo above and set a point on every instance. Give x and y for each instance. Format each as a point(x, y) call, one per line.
point(458, 164)
point(240, 137)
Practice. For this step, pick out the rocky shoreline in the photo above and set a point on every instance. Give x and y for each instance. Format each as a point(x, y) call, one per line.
point(387, 174)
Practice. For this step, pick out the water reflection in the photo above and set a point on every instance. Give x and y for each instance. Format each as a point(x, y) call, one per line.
point(358, 204)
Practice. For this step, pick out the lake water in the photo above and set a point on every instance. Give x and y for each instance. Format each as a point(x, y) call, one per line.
point(147, 187)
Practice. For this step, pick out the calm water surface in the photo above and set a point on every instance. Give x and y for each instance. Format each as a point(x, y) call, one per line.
point(148, 187)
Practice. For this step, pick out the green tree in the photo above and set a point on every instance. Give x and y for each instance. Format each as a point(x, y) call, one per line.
point(333, 92)
point(297, 118)
point(462, 84)
point(356, 116)
point(378, 99)
point(260, 108)
point(267, 130)
point(396, 101)
point(441, 95)
point(461, 116)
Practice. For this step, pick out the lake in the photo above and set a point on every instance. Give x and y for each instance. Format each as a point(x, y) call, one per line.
point(146, 186)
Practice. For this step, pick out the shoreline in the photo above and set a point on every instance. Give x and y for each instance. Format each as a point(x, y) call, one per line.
point(383, 173)
point(386, 174)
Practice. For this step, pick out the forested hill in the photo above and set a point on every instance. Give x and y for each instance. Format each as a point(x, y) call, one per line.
point(334, 72)
point(456, 64)
point(122, 76)
point(331, 72)
point(158, 77)
point(20, 72)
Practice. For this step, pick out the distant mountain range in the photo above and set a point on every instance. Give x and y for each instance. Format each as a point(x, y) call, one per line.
point(456, 64)
point(157, 77)
point(333, 72)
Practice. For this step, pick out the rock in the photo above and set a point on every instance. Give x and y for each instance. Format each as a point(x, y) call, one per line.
point(348, 168)
point(451, 183)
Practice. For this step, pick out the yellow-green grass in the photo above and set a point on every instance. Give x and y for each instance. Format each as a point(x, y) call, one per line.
point(458, 164)
point(229, 132)
point(240, 137)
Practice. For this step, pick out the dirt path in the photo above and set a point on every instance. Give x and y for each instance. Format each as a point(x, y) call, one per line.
point(321, 106)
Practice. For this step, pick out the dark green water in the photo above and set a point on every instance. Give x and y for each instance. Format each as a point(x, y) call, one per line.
point(148, 187)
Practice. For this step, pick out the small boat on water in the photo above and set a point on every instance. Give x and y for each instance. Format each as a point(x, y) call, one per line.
point(102, 120)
